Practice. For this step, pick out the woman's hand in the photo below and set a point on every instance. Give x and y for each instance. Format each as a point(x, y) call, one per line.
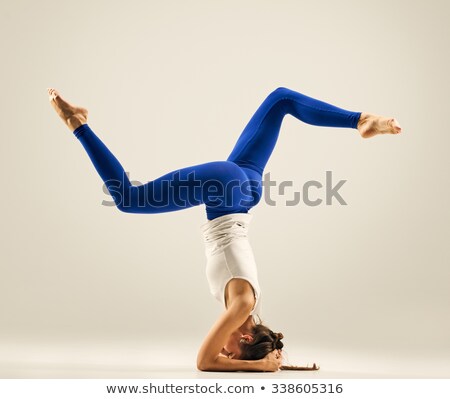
point(272, 361)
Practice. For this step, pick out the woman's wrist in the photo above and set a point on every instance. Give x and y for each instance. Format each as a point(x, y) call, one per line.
point(257, 365)
point(268, 365)
point(222, 363)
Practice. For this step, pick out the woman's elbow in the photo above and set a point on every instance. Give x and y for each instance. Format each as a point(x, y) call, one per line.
point(203, 365)
point(206, 363)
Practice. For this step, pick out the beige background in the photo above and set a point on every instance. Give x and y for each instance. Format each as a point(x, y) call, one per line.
point(88, 291)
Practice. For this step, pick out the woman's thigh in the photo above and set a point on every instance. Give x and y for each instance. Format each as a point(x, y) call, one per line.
point(222, 186)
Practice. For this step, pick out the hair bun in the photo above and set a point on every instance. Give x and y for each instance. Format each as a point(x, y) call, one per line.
point(277, 344)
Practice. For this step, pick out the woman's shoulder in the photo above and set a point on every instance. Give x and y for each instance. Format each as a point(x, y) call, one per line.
point(239, 285)
point(238, 289)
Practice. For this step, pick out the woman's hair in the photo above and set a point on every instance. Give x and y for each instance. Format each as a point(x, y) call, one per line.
point(265, 341)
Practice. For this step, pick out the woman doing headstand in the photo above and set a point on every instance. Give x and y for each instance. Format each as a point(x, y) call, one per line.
point(229, 189)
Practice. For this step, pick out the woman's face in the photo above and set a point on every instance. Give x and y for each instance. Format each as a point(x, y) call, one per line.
point(233, 346)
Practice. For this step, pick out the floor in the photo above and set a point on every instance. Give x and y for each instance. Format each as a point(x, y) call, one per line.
point(104, 360)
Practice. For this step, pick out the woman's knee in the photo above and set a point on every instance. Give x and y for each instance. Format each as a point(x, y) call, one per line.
point(280, 97)
point(281, 92)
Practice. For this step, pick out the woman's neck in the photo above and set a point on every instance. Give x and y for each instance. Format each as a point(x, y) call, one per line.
point(247, 326)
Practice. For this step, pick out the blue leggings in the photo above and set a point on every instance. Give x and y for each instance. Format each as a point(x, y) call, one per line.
point(231, 186)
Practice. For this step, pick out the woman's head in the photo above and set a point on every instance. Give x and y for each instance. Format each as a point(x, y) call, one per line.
point(261, 342)
point(257, 344)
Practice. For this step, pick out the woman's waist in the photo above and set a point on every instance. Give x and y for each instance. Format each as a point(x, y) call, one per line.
point(229, 242)
point(233, 224)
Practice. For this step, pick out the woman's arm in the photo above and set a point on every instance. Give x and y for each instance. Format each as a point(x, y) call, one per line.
point(223, 363)
point(230, 320)
point(209, 358)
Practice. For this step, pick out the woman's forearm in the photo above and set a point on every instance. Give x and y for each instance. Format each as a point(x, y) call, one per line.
point(225, 364)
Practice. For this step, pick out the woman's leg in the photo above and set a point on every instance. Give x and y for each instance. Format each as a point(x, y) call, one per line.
point(218, 185)
point(222, 186)
point(257, 141)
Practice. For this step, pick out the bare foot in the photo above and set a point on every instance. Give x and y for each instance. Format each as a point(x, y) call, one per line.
point(370, 125)
point(71, 115)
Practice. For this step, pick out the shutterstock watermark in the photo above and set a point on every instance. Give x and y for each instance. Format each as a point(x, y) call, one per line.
point(305, 196)
point(179, 190)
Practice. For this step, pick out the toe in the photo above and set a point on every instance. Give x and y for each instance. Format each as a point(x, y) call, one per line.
point(396, 126)
point(53, 94)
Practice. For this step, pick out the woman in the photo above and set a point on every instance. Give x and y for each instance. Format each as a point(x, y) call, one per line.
point(229, 189)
